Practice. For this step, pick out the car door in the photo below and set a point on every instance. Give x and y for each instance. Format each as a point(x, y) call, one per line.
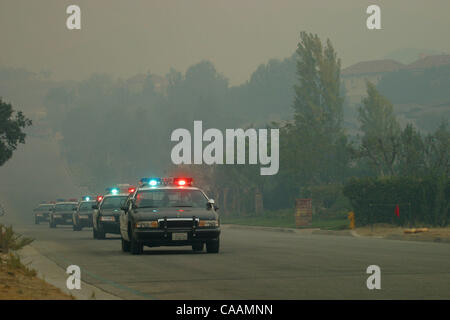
point(124, 217)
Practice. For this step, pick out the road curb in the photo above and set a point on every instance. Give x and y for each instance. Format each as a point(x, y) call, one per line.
point(291, 230)
point(53, 274)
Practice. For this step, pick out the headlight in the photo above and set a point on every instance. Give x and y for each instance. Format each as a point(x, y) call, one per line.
point(208, 223)
point(147, 224)
point(107, 218)
point(56, 216)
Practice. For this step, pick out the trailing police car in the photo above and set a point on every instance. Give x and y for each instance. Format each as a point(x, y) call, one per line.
point(105, 217)
point(169, 212)
point(61, 213)
point(42, 212)
point(82, 214)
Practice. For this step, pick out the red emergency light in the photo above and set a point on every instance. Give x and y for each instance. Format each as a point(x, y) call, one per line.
point(182, 182)
point(99, 198)
point(131, 189)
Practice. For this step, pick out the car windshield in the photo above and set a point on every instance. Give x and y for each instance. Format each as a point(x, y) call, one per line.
point(114, 202)
point(43, 208)
point(86, 206)
point(65, 207)
point(170, 198)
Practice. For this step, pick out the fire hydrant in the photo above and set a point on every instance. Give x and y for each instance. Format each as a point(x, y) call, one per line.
point(351, 217)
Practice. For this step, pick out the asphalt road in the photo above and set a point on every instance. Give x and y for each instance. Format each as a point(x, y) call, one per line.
point(253, 264)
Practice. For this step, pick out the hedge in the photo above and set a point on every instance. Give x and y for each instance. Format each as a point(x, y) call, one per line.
point(422, 201)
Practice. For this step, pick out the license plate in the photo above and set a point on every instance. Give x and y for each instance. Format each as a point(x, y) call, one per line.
point(179, 236)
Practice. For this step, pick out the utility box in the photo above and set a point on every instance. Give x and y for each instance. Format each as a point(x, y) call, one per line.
point(303, 212)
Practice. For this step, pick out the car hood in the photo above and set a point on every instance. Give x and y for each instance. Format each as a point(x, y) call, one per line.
point(111, 212)
point(63, 212)
point(161, 213)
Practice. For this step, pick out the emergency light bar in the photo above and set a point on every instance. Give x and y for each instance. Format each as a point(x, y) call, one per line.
point(179, 181)
point(86, 198)
point(99, 198)
point(121, 188)
point(149, 182)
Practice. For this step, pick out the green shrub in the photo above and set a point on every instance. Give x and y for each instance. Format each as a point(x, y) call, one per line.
point(422, 201)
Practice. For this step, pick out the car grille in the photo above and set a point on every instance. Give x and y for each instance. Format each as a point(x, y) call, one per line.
point(177, 223)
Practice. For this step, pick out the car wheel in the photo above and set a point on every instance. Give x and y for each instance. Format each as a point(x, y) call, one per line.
point(135, 246)
point(51, 224)
point(125, 245)
point(212, 246)
point(101, 234)
point(94, 233)
point(198, 246)
point(36, 220)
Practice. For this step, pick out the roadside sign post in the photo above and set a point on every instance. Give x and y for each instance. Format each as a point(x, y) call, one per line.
point(303, 212)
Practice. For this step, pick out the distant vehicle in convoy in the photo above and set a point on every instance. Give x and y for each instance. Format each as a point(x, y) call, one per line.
point(105, 217)
point(61, 213)
point(42, 212)
point(82, 214)
point(169, 212)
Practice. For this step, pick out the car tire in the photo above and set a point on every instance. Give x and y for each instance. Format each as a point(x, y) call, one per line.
point(197, 247)
point(213, 246)
point(125, 245)
point(36, 220)
point(101, 234)
point(51, 224)
point(135, 246)
point(94, 233)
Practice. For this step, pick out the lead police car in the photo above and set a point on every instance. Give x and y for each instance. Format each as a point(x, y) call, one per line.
point(169, 212)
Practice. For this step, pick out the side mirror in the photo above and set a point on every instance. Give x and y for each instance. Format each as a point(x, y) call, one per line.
point(211, 204)
point(95, 206)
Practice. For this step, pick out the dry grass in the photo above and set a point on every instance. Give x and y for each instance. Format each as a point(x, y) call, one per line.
point(384, 230)
point(18, 282)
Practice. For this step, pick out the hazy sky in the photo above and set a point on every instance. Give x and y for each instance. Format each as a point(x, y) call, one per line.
point(128, 37)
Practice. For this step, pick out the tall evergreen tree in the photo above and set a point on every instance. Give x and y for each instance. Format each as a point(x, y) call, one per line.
point(381, 132)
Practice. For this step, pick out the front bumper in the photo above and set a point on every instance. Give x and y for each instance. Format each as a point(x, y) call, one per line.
point(164, 237)
point(42, 216)
point(84, 220)
point(65, 219)
point(110, 226)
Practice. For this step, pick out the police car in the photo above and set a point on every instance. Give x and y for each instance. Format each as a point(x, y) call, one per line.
point(82, 215)
point(42, 212)
point(61, 213)
point(169, 212)
point(105, 217)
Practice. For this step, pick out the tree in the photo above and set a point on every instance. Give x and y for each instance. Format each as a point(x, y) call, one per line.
point(437, 151)
point(315, 145)
point(381, 132)
point(411, 152)
point(11, 133)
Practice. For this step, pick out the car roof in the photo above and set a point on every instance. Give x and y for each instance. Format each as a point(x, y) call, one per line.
point(115, 195)
point(167, 188)
point(66, 202)
point(45, 204)
point(86, 201)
